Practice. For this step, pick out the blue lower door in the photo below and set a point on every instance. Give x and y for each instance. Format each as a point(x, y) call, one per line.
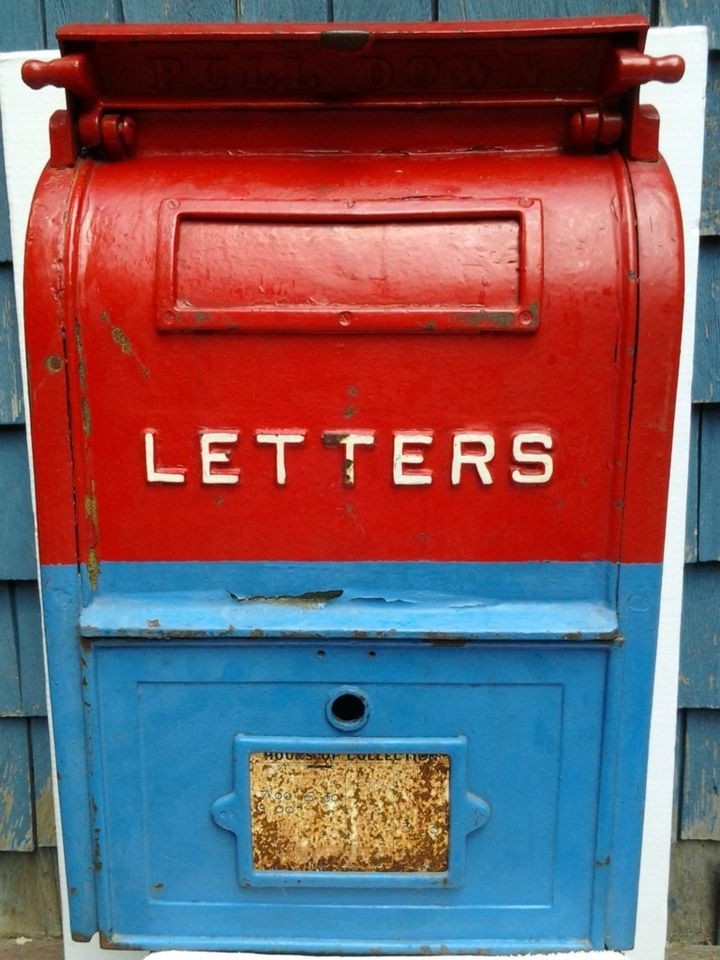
point(486, 837)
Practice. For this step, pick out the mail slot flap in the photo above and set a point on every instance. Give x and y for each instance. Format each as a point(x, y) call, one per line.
point(424, 264)
point(277, 64)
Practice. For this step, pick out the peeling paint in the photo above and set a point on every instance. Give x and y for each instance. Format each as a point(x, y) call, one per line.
point(93, 568)
point(313, 598)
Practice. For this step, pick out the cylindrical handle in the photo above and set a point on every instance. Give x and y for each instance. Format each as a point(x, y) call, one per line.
point(629, 69)
point(71, 72)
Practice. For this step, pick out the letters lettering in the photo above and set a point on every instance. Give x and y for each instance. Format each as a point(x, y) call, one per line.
point(528, 455)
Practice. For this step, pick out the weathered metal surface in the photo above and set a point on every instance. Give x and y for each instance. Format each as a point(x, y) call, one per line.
point(364, 812)
point(295, 359)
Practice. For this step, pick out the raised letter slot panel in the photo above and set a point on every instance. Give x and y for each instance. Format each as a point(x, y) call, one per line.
point(388, 266)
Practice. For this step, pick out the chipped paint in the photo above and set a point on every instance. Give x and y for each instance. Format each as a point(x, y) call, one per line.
point(121, 339)
point(380, 813)
point(313, 598)
point(91, 510)
point(53, 363)
point(93, 568)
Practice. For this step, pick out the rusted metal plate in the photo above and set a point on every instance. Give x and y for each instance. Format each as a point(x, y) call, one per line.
point(376, 812)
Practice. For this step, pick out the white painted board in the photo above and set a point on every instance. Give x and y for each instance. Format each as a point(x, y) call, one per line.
point(25, 116)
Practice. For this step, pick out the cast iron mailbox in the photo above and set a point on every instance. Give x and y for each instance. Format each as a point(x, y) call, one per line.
point(352, 364)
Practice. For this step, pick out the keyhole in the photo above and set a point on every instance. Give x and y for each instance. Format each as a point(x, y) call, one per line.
point(348, 709)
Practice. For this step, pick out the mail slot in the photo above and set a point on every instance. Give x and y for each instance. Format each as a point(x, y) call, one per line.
point(352, 365)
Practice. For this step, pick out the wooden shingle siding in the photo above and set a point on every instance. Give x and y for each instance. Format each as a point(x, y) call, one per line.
point(709, 488)
point(11, 396)
point(17, 550)
point(691, 517)
point(378, 10)
point(16, 808)
point(700, 653)
point(58, 12)
point(178, 11)
point(706, 371)
point(700, 817)
point(284, 11)
point(678, 13)
point(531, 9)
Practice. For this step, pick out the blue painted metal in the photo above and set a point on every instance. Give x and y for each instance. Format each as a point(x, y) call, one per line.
point(410, 600)
point(468, 812)
point(638, 610)
point(16, 822)
point(557, 859)
point(61, 592)
point(17, 555)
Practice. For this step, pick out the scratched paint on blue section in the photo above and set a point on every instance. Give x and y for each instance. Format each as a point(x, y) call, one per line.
point(174, 683)
point(414, 600)
point(61, 593)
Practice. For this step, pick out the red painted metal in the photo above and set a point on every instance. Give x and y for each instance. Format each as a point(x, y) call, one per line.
point(377, 229)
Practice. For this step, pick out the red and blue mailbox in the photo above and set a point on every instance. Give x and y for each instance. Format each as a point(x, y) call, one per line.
point(352, 366)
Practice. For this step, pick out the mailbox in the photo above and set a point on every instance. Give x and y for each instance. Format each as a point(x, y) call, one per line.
point(352, 365)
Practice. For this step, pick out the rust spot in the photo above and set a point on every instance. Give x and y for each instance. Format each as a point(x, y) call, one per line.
point(352, 390)
point(121, 339)
point(85, 413)
point(349, 412)
point(79, 937)
point(631, 275)
point(603, 863)
point(93, 568)
point(574, 635)
point(313, 598)
point(158, 886)
point(91, 510)
point(86, 644)
point(72, 891)
point(82, 370)
point(105, 317)
point(200, 317)
point(53, 363)
point(350, 812)
point(153, 623)
point(430, 325)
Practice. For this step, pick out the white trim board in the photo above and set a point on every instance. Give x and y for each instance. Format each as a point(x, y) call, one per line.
point(682, 107)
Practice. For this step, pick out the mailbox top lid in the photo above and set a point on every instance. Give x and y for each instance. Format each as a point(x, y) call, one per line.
point(583, 60)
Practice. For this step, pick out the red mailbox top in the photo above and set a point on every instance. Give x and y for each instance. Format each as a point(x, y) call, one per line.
point(387, 292)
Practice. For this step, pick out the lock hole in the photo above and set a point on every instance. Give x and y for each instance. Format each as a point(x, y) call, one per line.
point(348, 709)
